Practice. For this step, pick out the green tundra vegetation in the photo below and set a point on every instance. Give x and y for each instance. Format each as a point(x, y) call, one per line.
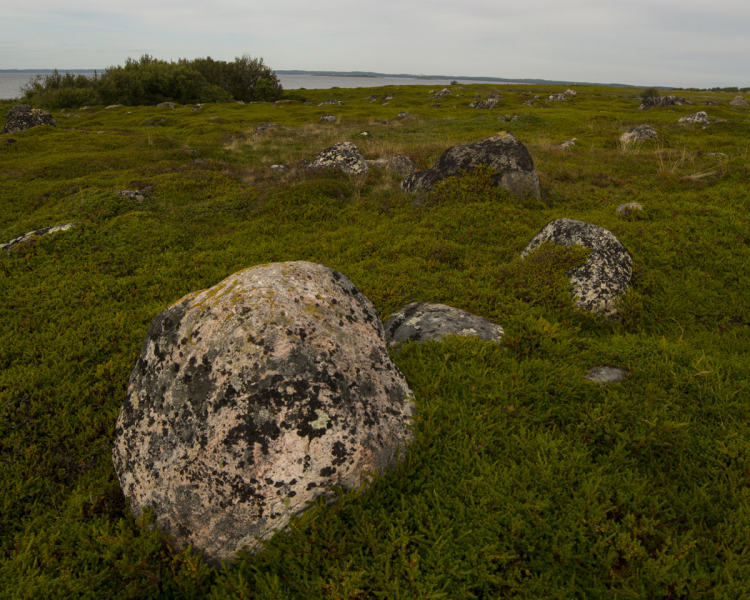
point(524, 480)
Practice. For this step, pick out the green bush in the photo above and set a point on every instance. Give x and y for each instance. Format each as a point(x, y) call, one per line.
point(649, 93)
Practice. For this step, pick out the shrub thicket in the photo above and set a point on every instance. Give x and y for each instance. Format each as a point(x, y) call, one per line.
point(649, 93)
point(149, 81)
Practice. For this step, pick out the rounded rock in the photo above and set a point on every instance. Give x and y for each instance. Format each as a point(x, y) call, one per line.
point(254, 397)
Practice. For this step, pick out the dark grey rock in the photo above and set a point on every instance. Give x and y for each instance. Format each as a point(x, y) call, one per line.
point(403, 165)
point(502, 152)
point(604, 375)
point(606, 274)
point(22, 117)
point(26, 237)
point(421, 321)
point(265, 127)
point(711, 103)
point(344, 155)
point(662, 102)
point(443, 93)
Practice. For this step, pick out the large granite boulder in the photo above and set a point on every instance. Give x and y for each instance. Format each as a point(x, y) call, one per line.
point(639, 133)
point(254, 397)
point(422, 321)
point(662, 102)
point(606, 274)
point(443, 93)
point(27, 237)
point(738, 101)
point(502, 152)
point(22, 117)
point(344, 155)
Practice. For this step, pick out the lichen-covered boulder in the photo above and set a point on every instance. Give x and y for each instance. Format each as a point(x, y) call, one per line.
point(404, 115)
point(327, 102)
point(557, 98)
point(738, 101)
point(570, 92)
point(135, 195)
point(699, 117)
point(22, 117)
point(662, 102)
point(502, 152)
point(489, 102)
point(329, 118)
point(639, 133)
point(423, 321)
point(26, 237)
point(606, 274)
point(443, 93)
point(344, 155)
point(254, 397)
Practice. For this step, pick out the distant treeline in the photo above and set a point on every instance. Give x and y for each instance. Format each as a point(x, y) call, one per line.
point(149, 81)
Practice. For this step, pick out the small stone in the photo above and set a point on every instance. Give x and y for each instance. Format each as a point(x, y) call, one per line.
point(165, 105)
point(264, 127)
point(404, 115)
point(329, 118)
point(626, 209)
point(566, 144)
point(137, 195)
point(435, 105)
point(602, 375)
point(403, 165)
point(639, 133)
point(344, 156)
point(240, 102)
point(366, 134)
point(115, 106)
point(327, 102)
point(200, 161)
point(278, 168)
point(699, 117)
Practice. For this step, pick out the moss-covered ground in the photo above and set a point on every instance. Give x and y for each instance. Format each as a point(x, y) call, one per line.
point(525, 480)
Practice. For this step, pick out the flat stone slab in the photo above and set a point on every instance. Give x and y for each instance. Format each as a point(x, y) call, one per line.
point(422, 321)
point(36, 233)
point(603, 374)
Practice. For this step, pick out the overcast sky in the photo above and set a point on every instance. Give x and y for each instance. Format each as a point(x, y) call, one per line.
point(679, 43)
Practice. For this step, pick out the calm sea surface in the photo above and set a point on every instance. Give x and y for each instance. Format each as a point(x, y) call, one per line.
point(11, 83)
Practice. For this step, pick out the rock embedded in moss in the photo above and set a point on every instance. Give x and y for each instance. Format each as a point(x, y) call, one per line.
point(502, 152)
point(403, 165)
point(27, 237)
point(606, 274)
point(626, 209)
point(639, 133)
point(254, 397)
point(662, 102)
point(603, 374)
point(422, 321)
point(738, 101)
point(22, 117)
point(344, 156)
point(699, 117)
point(489, 102)
point(443, 93)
